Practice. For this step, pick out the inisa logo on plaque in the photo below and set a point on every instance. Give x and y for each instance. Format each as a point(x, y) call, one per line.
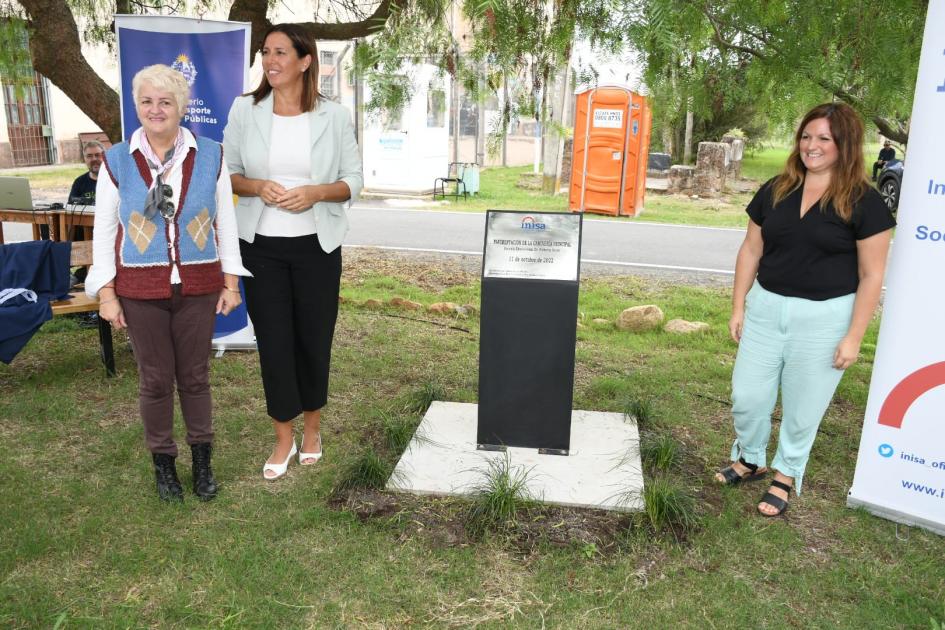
point(529, 223)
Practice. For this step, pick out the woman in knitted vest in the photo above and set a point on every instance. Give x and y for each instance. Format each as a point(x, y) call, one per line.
point(165, 261)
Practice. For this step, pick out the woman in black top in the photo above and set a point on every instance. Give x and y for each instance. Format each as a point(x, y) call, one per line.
point(807, 280)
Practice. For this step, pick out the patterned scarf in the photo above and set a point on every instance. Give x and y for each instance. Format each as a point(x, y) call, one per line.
point(175, 154)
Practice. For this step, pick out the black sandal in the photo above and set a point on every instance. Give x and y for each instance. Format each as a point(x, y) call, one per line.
point(781, 505)
point(732, 478)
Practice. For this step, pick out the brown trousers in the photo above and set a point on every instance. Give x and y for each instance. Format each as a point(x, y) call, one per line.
point(171, 340)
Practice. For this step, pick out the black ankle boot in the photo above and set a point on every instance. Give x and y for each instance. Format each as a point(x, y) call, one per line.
point(205, 486)
point(165, 473)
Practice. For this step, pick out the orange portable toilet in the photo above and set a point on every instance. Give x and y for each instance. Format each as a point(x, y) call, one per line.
point(610, 151)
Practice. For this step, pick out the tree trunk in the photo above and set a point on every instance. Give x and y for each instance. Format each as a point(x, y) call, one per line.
point(481, 130)
point(687, 142)
point(553, 143)
point(505, 125)
point(455, 108)
point(668, 139)
point(57, 55)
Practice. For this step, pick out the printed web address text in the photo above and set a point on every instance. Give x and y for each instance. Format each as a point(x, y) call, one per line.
point(929, 491)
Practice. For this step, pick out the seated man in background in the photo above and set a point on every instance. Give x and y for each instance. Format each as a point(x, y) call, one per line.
point(885, 154)
point(83, 188)
point(82, 193)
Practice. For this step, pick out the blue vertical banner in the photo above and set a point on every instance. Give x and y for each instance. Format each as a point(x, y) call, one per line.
point(212, 55)
point(214, 58)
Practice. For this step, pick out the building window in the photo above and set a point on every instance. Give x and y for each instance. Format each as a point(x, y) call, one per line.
point(436, 106)
point(326, 85)
point(326, 57)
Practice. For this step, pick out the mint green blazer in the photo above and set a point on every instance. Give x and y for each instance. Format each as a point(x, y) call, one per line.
point(335, 157)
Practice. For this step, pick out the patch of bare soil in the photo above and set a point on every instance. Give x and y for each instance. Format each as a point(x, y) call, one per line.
point(441, 522)
point(431, 272)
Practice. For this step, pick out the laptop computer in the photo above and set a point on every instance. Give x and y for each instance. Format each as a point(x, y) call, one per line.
point(15, 194)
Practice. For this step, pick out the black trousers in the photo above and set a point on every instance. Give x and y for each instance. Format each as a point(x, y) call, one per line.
point(292, 300)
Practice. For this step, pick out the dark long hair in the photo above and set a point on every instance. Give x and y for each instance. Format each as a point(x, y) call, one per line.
point(303, 45)
point(848, 181)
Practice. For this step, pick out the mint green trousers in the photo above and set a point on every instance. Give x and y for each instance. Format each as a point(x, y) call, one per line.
point(786, 343)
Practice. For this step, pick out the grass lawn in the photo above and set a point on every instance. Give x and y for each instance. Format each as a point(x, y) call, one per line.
point(61, 177)
point(763, 164)
point(498, 190)
point(84, 542)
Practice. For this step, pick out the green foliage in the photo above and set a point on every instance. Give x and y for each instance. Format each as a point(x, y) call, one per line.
point(525, 43)
point(753, 64)
point(641, 410)
point(96, 17)
point(500, 497)
point(589, 550)
point(669, 505)
point(398, 430)
point(16, 65)
point(516, 45)
point(421, 398)
point(659, 452)
point(416, 32)
point(367, 470)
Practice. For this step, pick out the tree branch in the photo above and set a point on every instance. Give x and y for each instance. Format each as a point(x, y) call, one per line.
point(254, 11)
point(724, 43)
point(898, 133)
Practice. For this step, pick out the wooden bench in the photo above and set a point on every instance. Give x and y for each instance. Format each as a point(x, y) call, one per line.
point(81, 303)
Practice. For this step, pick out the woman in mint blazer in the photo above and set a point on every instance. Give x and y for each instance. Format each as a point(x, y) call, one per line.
point(294, 163)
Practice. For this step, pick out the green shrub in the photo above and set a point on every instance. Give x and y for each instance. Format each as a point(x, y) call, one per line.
point(500, 498)
point(420, 399)
point(398, 430)
point(367, 470)
point(641, 411)
point(669, 506)
point(659, 452)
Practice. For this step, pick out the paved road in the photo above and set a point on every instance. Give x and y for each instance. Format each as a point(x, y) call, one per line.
point(626, 243)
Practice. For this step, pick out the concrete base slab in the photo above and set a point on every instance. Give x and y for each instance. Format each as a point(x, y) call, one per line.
point(602, 471)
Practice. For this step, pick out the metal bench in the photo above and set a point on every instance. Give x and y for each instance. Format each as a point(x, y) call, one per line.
point(454, 176)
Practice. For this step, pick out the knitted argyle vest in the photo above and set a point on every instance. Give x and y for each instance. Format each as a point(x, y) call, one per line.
point(143, 246)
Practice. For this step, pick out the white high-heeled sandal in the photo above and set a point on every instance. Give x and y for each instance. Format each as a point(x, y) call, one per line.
point(279, 469)
point(313, 456)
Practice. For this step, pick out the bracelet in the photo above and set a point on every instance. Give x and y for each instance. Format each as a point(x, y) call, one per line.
point(107, 301)
point(233, 290)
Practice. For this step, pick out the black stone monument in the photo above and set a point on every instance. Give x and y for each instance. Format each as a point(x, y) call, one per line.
point(530, 280)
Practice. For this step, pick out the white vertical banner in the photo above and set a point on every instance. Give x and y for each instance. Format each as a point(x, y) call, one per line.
point(900, 470)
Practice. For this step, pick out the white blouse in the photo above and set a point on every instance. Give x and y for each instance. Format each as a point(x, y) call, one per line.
point(107, 201)
point(291, 166)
